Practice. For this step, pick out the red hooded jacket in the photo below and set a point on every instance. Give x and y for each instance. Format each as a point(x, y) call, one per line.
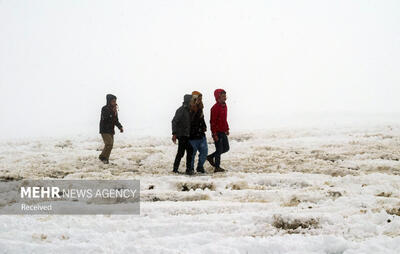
point(219, 113)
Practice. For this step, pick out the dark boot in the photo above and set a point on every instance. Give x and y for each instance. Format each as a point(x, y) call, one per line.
point(189, 172)
point(210, 159)
point(103, 159)
point(200, 170)
point(219, 169)
point(175, 171)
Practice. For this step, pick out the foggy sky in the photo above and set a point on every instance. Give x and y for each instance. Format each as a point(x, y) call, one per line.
point(58, 60)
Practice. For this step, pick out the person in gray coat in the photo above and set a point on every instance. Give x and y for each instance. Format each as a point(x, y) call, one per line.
point(181, 131)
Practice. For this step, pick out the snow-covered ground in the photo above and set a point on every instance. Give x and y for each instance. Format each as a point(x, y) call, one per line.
point(316, 190)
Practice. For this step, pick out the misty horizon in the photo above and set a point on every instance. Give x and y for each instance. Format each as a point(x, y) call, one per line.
point(278, 61)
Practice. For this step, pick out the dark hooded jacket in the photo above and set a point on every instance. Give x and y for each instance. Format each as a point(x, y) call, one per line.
point(181, 120)
point(109, 118)
point(219, 113)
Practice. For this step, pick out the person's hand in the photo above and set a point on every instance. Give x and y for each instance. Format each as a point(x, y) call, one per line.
point(215, 137)
point(121, 130)
point(174, 139)
point(227, 133)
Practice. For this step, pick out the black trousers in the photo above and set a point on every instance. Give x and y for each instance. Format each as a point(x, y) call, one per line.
point(221, 146)
point(184, 145)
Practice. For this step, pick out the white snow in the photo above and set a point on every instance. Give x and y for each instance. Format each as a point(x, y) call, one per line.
point(314, 190)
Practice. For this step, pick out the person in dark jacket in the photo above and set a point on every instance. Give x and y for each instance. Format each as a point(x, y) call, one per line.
point(198, 128)
point(108, 120)
point(219, 129)
point(181, 131)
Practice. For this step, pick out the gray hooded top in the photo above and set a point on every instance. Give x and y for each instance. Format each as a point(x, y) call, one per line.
point(181, 120)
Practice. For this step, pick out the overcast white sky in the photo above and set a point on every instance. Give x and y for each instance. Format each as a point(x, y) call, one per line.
point(58, 59)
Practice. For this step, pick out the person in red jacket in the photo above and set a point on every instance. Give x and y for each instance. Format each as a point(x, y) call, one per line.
point(219, 129)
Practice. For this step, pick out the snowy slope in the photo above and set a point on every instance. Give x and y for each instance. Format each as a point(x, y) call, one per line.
point(310, 190)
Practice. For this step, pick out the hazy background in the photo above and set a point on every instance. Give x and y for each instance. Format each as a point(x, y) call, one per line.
point(281, 62)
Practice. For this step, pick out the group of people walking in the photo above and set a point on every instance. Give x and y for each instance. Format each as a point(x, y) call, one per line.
point(188, 128)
